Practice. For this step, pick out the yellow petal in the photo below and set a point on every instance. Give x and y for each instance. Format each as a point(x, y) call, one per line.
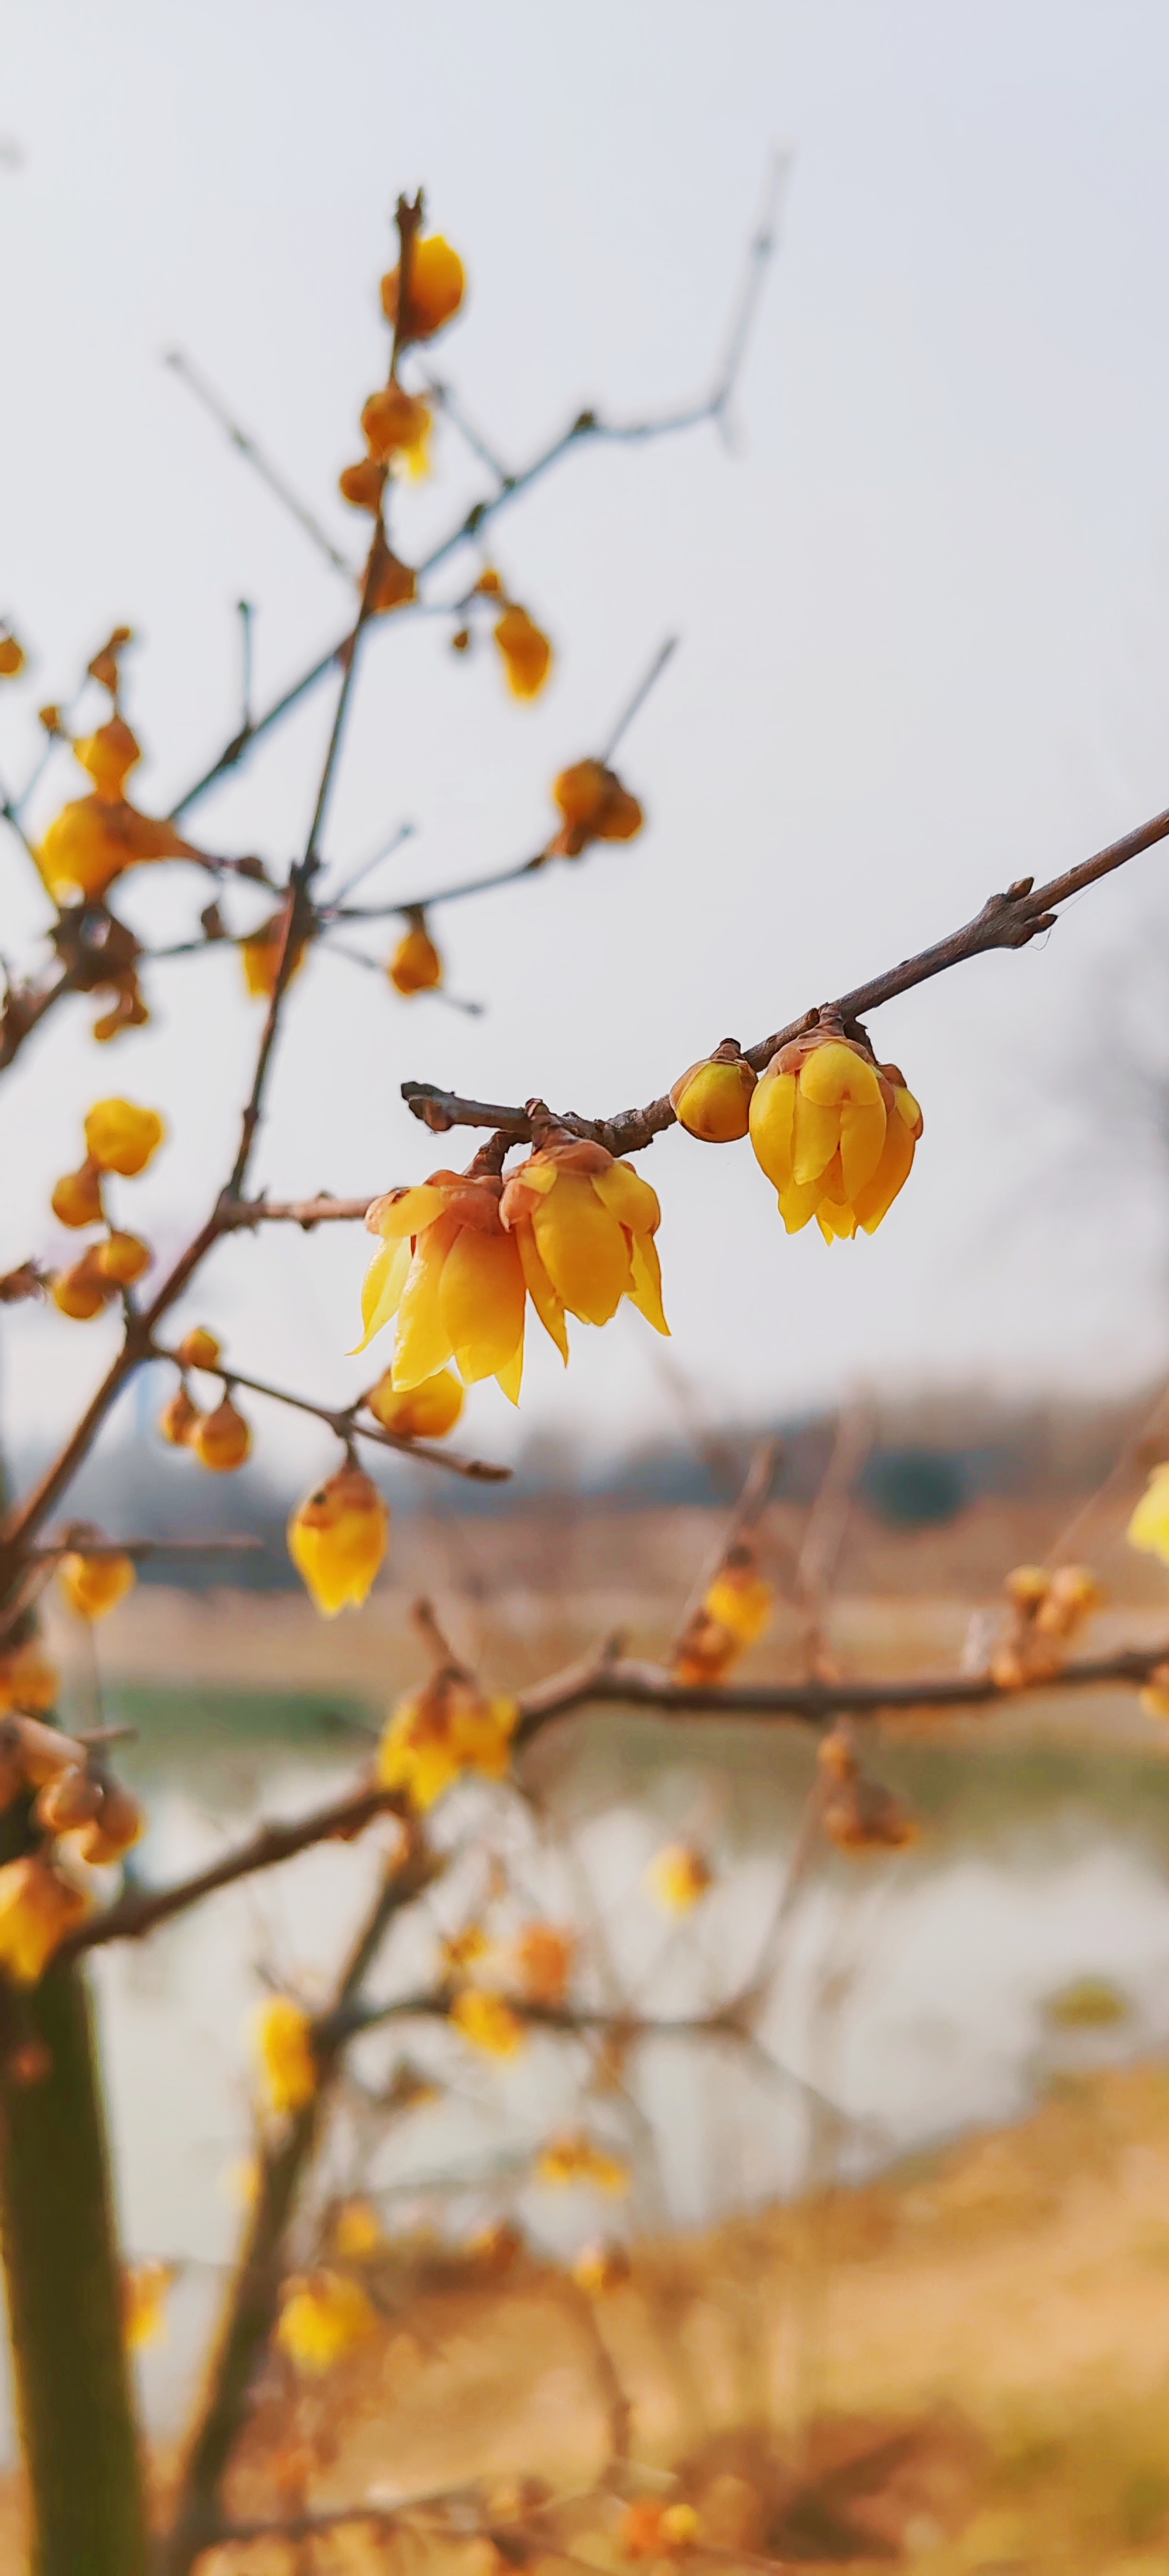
point(583, 1249)
point(382, 1289)
point(424, 1343)
point(646, 1292)
point(908, 1109)
point(481, 1301)
point(815, 1134)
point(628, 1198)
point(406, 1211)
point(836, 1223)
point(541, 1290)
point(772, 1115)
point(834, 1073)
point(798, 1203)
point(862, 1141)
point(891, 1174)
point(508, 1379)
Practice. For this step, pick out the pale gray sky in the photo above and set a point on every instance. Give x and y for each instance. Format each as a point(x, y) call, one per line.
point(924, 610)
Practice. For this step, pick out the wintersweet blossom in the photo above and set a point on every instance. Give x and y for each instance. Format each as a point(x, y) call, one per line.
point(834, 1131)
point(337, 1539)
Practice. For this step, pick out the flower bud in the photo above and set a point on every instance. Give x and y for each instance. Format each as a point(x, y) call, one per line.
point(337, 1540)
point(425, 1412)
point(94, 1584)
point(834, 1131)
point(109, 755)
point(76, 1200)
point(526, 651)
point(199, 1349)
point(28, 1680)
point(363, 485)
point(712, 1098)
point(81, 1292)
point(122, 1138)
point(122, 1258)
point(595, 807)
point(119, 1824)
point(222, 1440)
point(394, 421)
point(11, 657)
point(415, 966)
point(438, 283)
point(68, 1801)
point(322, 2319)
point(177, 1419)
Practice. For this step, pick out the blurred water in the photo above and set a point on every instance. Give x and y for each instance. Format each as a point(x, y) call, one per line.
point(904, 1998)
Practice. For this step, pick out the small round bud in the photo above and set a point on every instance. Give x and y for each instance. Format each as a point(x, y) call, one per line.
point(199, 1349)
point(76, 1200)
point(713, 1097)
point(222, 1440)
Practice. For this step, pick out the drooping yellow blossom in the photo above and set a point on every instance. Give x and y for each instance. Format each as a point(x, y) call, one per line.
point(452, 1275)
point(94, 1584)
point(525, 650)
point(260, 955)
point(740, 1598)
point(357, 2232)
point(338, 1538)
point(438, 1733)
point(29, 1680)
point(1149, 1527)
point(122, 1258)
point(595, 807)
point(11, 657)
point(145, 2291)
point(83, 1291)
point(677, 1877)
point(599, 2269)
point(651, 2529)
point(96, 837)
point(584, 1225)
point(397, 424)
point(1047, 1611)
point(363, 484)
point(488, 2022)
point(288, 2064)
point(109, 755)
point(199, 1349)
point(117, 1826)
point(544, 1954)
point(438, 283)
point(415, 966)
point(576, 2158)
point(322, 2319)
point(38, 1909)
point(221, 1440)
point(76, 1199)
point(835, 1132)
point(121, 1137)
point(713, 1097)
point(178, 1419)
point(424, 1412)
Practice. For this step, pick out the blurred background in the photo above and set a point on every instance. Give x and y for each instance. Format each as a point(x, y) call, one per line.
point(920, 588)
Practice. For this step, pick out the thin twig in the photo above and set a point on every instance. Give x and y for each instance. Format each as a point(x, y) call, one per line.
point(262, 465)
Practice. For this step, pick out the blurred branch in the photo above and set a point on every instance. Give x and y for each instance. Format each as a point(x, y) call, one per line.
point(342, 1421)
point(212, 402)
point(1007, 920)
point(142, 1909)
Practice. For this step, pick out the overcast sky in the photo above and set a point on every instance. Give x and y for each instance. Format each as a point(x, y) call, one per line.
point(923, 603)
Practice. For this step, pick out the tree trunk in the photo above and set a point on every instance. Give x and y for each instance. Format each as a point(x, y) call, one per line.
point(63, 2280)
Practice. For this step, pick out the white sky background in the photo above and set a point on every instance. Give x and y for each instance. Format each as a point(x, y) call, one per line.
point(924, 610)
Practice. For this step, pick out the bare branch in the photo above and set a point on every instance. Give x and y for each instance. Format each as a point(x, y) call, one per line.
point(212, 402)
point(343, 1421)
point(141, 1910)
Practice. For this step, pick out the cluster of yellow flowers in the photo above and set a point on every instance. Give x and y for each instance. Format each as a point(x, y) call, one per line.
point(440, 1733)
point(572, 1229)
point(1046, 1611)
point(734, 1611)
point(220, 1439)
point(119, 1137)
point(834, 1130)
point(74, 1805)
point(95, 838)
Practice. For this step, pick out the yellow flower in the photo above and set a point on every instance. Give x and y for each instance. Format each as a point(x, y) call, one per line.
point(38, 1909)
point(526, 651)
point(544, 1956)
point(28, 1680)
point(713, 1097)
point(705, 1651)
point(109, 755)
point(424, 1412)
point(357, 2232)
point(835, 1132)
point(11, 657)
point(260, 955)
point(576, 2158)
point(337, 1540)
point(221, 1440)
point(123, 1258)
point(288, 2064)
point(178, 1419)
point(94, 1584)
point(678, 1876)
point(397, 424)
point(83, 1291)
point(76, 1198)
point(415, 966)
point(121, 1137)
point(69, 1801)
point(95, 838)
point(452, 1275)
point(441, 1731)
point(362, 485)
point(651, 2529)
point(739, 1598)
point(117, 1826)
point(595, 807)
point(584, 1225)
point(488, 2022)
point(438, 284)
point(199, 1349)
point(145, 2291)
point(1149, 1527)
point(322, 2319)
